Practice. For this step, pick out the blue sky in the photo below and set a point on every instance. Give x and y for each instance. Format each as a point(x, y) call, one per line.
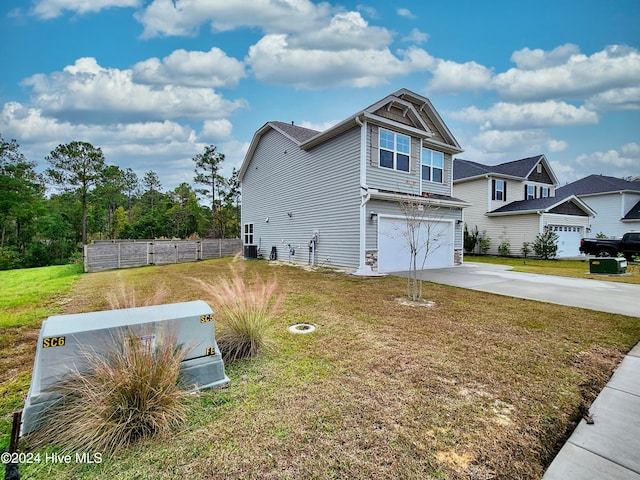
point(152, 82)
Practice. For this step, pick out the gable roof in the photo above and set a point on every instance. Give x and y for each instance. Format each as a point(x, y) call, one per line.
point(516, 169)
point(598, 184)
point(413, 107)
point(294, 132)
point(535, 205)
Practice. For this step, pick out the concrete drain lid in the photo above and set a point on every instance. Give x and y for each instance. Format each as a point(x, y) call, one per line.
point(302, 328)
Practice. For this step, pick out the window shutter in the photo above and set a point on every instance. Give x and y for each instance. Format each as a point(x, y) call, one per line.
point(525, 192)
point(373, 158)
point(504, 194)
point(493, 189)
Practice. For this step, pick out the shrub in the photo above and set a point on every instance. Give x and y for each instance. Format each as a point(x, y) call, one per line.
point(245, 313)
point(546, 245)
point(526, 249)
point(470, 239)
point(504, 249)
point(127, 393)
point(485, 242)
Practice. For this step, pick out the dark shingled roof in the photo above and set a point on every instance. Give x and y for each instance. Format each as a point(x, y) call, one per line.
point(517, 168)
point(634, 213)
point(597, 184)
point(300, 134)
point(531, 204)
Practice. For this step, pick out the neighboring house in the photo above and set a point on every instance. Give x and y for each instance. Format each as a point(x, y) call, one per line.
point(333, 197)
point(615, 201)
point(516, 201)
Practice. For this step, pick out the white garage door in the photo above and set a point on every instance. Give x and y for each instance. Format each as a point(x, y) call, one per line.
point(393, 247)
point(568, 239)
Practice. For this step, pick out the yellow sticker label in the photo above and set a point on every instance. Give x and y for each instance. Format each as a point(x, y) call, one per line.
point(52, 342)
point(210, 351)
point(206, 318)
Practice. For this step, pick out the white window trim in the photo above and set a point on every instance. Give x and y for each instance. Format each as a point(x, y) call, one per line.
point(531, 192)
point(430, 165)
point(500, 190)
point(394, 151)
point(248, 232)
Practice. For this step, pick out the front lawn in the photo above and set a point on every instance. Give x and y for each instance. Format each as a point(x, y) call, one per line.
point(562, 268)
point(478, 386)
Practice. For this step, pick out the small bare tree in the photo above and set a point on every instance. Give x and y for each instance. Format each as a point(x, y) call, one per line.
point(424, 233)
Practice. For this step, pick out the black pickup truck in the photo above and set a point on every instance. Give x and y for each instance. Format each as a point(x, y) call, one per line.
point(628, 245)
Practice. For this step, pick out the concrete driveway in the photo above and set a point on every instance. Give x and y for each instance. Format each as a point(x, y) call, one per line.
point(614, 297)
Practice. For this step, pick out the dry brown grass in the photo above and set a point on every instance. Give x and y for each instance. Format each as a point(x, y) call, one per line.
point(127, 392)
point(477, 387)
point(245, 311)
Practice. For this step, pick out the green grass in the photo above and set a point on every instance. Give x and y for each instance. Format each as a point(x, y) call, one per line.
point(30, 295)
point(478, 386)
point(27, 297)
point(562, 268)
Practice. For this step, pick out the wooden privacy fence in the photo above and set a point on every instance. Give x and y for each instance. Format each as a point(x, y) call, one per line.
point(111, 254)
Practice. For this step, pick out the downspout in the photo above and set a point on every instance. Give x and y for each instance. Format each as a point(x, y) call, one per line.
point(365, 196)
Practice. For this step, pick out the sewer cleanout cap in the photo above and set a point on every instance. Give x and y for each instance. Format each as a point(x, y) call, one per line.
point(302, 328)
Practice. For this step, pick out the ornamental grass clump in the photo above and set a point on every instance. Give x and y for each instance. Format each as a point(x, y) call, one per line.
point(245, 313)
point(126, 393)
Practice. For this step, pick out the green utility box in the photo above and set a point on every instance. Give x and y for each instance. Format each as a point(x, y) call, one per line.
point(607, 265)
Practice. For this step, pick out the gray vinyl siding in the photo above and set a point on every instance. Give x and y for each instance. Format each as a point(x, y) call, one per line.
point(319, 188)
point(404, 182)
point(385, 207)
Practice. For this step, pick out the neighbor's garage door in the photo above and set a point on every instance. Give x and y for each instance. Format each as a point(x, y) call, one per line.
point(568, 239)
point(393, 247)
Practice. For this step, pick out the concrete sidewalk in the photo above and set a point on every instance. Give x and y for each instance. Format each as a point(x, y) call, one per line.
point(610, 447)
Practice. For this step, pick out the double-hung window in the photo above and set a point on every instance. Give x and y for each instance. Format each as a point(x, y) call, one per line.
point(544, 192)
point(432, 166)
point(499, 190)
point(529, 192)
point(395, 150)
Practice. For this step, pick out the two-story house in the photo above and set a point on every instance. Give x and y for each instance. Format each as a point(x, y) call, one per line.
point(616, 202)
point(514, 202)
point(335, 197)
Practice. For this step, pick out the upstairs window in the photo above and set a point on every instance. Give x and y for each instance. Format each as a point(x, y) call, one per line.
point(395, 150)
point(544, 192)
point(499, 190)
point(529, 192)
point(432, 166)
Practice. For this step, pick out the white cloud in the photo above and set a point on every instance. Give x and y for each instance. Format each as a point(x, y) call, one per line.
point(320, 127)
point(184, 17)
point(274, 60)
point(216, 130)
point(416, 36)
point(53, 8)
point(452, 77)
point(518, 143)
point(194, 69)
point(579, 76)
point(344, 31)
point(527, 59)
point(617, 163)
point(616, 99)
point(511, 116)
point(405, 12)
point(89, 93)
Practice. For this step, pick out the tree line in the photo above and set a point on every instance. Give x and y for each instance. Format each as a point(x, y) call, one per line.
point(45, 218)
